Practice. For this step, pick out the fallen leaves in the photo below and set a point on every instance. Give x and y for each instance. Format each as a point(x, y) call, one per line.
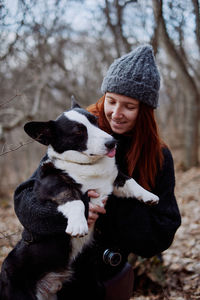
point(10, 229)
point(182, 260)
point(183, 257)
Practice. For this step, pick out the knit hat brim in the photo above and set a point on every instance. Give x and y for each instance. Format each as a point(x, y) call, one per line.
point(141, 91)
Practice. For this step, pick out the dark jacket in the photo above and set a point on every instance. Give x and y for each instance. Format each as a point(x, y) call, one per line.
point(128, 226)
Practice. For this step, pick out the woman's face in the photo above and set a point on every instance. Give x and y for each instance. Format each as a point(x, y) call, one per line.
point(121, 112)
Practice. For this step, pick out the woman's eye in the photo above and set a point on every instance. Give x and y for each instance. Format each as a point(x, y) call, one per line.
point(131, 107)
point(111, 101)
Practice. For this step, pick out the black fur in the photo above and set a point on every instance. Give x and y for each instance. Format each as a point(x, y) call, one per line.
point(29, 262)
point(57, 186)
point(54, 133)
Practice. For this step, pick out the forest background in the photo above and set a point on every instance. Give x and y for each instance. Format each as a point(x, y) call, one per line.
point(52, 49)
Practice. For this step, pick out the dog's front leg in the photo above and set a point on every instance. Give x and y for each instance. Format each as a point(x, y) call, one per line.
point(127, 187)
point(74, 211)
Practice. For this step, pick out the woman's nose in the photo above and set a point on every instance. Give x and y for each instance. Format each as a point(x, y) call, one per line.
point(117, 112)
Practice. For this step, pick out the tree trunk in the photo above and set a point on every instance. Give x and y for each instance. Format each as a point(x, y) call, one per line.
point(189, 88)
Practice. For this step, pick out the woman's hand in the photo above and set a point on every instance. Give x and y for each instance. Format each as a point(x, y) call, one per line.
point(95, 210)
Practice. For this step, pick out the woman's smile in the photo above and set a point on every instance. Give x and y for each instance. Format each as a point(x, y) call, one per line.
point(117, 123)
point(121, 112)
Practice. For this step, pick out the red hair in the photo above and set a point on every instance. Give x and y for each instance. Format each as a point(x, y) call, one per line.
point(145, 155)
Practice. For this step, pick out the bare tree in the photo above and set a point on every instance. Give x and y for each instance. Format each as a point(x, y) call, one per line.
point(114, 13)
point(179, 62)
point(45, 58)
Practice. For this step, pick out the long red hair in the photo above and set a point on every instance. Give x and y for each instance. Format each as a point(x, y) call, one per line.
point(145, 155)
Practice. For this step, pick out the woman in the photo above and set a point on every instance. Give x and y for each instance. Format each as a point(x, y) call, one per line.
point(126, 110)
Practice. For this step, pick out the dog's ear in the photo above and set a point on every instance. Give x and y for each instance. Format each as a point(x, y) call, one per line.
point(42, 132)
point(74, 103)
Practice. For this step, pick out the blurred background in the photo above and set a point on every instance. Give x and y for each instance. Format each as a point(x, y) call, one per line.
point(51, 49)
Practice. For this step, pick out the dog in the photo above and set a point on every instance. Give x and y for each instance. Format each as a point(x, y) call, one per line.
point(80, 157)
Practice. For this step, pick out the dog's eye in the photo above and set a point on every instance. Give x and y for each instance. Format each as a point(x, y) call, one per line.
point(77, 131)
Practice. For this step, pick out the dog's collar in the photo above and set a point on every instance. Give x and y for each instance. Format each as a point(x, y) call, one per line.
point(72, 157)
point(53, 159)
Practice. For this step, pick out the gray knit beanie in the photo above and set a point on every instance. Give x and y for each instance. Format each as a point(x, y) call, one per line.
point(134, 75)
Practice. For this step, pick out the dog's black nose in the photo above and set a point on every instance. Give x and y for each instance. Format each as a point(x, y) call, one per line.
point(110, 144)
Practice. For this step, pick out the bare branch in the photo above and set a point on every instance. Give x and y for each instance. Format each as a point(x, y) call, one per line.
point(10, 48)
point(9, 238)
point(16, 148)
point(37, 98)
point(197, 21)
point(8, 101)
point(120, 40)
point(129, 2)
point(19, 116)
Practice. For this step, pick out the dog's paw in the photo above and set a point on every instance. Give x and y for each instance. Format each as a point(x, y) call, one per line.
point(150, 198)
point(78, 228)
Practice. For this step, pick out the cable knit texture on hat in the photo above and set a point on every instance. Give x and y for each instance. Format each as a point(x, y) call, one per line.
point(134, 75)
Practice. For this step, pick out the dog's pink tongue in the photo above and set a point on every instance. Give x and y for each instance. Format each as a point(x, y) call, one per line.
point(111, 153)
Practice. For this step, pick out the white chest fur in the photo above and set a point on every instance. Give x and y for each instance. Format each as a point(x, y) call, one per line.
point(98, 176)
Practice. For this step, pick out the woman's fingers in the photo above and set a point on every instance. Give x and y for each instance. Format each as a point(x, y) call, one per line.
point(94, 211)
point(93, 194)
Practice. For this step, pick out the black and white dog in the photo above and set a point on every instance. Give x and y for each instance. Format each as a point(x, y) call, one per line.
point(80, 157)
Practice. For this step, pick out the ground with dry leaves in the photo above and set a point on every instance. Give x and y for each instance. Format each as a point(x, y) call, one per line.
point(181, 267)
point(180, 271)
